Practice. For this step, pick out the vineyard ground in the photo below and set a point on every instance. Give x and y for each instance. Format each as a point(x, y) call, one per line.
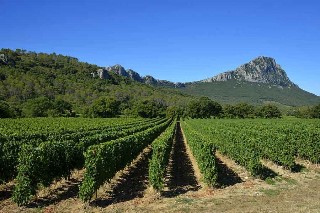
point(238, 191)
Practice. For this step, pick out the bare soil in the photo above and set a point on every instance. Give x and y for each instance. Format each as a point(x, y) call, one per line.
point(181, 174)
point(286, 191)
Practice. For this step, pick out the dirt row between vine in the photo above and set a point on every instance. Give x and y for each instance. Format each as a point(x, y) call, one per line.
point(129, 190)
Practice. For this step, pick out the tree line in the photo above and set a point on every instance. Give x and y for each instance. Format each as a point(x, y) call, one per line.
point(107, 107)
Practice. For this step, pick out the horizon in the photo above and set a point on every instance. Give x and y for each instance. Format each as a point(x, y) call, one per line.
point(171, 40)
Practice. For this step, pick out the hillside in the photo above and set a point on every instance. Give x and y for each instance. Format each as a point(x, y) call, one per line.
point(25, 76)
point(232, 91)
point(259, 81)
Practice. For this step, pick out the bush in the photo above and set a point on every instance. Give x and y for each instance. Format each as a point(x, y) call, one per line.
point(150, 109)
point(44, 107)
point(315, 111)
point(268, 111)
point(105, 108)
point(204, 108)
point(37, 107)
point(241, 110)
point(6, 111)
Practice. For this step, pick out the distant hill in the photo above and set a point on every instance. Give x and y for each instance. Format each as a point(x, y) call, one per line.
point(260, 81)
point(28, 75)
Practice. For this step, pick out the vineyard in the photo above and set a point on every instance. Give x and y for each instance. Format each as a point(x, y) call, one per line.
point(35, 153)
point(249, 141)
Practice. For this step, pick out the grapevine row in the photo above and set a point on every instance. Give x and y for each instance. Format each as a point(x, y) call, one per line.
point(161, 149)
point(102, 161)
point(204, 153)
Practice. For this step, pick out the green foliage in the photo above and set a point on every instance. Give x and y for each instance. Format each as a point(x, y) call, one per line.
point(37, 107)
point(161, 148)
point(230, 143)
point(302, 112)
point(315, 112)
point(29, 75)
point(306, 112)
point(203, 108)
point(62, 107)
point(23, 192)
point(105, 108)
point(6, 111)
point(150, 108)
point(268, 111)
point(240, 110)
point(44, 107)
point(34, 131)
point(204, 152)
point(57, 158)
point(175, 112)
point(102, 161)
point(248, 141)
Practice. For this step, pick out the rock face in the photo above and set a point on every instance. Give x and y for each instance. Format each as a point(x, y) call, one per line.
point(3, 59)
point(262, 70)
point(134, 75)
point(119, 70)
point(102, 73)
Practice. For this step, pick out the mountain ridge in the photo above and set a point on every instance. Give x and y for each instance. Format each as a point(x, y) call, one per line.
point(129, 73)
point(259, 81)
point(261, 70)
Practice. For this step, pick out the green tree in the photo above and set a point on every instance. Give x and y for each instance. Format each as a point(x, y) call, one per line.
point(268, 111)
point(203, 108)
point(37, 107)
point(240, 110)
point(6, 111)
point(150, 109)
point(62, 107)
point(175, 111)
point(315, 111)
point(244, 110)
point(105, 108)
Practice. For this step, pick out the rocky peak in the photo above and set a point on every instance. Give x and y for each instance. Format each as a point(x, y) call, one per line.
point(150, 80)
point(118, 69)
point(134, 75)
point(262, 69)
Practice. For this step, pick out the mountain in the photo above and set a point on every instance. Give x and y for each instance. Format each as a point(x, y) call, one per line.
point(260, 70)
point(260, 81)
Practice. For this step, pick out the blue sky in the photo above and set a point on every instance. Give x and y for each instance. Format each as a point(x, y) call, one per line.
point(176, 40)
